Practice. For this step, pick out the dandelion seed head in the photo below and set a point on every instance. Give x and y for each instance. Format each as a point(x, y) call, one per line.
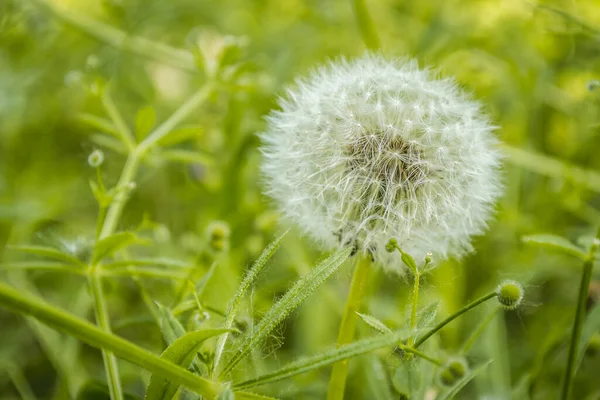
point(366, 150)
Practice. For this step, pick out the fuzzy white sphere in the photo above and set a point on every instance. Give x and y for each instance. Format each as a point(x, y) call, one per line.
point(371, 149)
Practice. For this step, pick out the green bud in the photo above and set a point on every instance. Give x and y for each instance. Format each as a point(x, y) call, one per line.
point(218, 235)
point(510, 294)
point(454, 370)
point(391, 245)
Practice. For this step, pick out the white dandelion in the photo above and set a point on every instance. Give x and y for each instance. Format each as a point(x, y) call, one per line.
point(367, 150)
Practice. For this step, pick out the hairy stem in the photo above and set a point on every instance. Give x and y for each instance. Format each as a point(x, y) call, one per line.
point(415, 302)
point(452, 317)
point(584, 286)
point(339, 372)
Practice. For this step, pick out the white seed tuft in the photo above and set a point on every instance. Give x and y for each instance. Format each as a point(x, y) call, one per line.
point(371, 149)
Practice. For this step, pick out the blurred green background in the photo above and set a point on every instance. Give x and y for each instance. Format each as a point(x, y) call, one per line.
point(530, 64)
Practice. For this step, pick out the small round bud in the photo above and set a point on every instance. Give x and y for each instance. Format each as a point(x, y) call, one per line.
point(454, 370)
point(593, 346)
point(96, 158)
point(510, 294)
point(218, 235)
point(593, 85)
point(428, 258)
point(391, 245)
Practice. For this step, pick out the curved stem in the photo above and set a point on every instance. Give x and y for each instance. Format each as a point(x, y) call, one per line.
point(339, 372)
point(445, 322)
point(584, 286)
point(60, 320)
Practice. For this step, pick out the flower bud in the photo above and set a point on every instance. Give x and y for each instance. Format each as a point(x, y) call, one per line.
point(218, 235)
point(454, 370)
point(510, 294)
point(96, 158)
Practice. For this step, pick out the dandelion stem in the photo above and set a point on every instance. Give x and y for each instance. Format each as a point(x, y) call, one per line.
point(452, 317)
point(584, 286)
point(339, 373)
point(365, 24)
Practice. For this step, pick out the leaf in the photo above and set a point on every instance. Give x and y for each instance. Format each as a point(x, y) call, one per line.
point(182, 352)
point(145, 119)
point(555, 242)
point(590, 327)
point(248, 280)
point(170, 326)
point(377, 379)
point(50, 266)
point(453, 391)
point(201, 285)
point(410, 263)
point(182, 134)
point(374, 323)
point(108, 142)
point(240, 395)
point(48, 252)
point(327, 358)
point(101, 124)
point(288, 303)
point(427, 315)
point(110, 244)
point(226, 394)
point(186, 156)
point(407, 379)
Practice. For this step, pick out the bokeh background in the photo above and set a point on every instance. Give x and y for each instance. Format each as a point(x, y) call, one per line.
point(532, 65)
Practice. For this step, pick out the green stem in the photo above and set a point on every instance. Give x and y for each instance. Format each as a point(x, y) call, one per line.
point(60, 320)
point(339, 372)
point(110, 361)
point(445, 322)
point(584, 286)
point(121, 40)
point(122, 194)
point(365, 24)
point(413, 313)
point(417, 353)
point(20, 383)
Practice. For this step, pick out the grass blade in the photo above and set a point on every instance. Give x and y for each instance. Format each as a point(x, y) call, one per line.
point(288, 303)
point(248, 280)
point(48, 252)
point(327, 358)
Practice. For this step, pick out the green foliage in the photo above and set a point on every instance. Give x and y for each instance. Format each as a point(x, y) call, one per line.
point(174, 96)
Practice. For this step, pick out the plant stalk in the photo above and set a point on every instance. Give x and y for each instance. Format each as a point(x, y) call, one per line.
point(339, 372)
point(452, 317)
point(584, 286)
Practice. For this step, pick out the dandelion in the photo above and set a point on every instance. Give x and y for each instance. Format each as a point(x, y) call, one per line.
point(371, 149)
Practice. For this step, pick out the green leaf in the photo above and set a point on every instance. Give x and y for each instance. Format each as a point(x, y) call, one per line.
point(248, 280)
point(327, 358)
point(226, 394)
point(590, 327)
point(288, 303)
point(427, 315)
point(555, 242)
point(145, 119)
point(374, 323)
point(240, 395)
point(410, 263)
point(407, 379)
point(377, 379)
point(110, 244)
point(453, 391)
point(109, 143)
point(186, 156)
point(182, 352)
point(170, 326)
point(101, 124)
point(48, 252)
point(50, 266)
point(182, 134)
point(201, 284)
